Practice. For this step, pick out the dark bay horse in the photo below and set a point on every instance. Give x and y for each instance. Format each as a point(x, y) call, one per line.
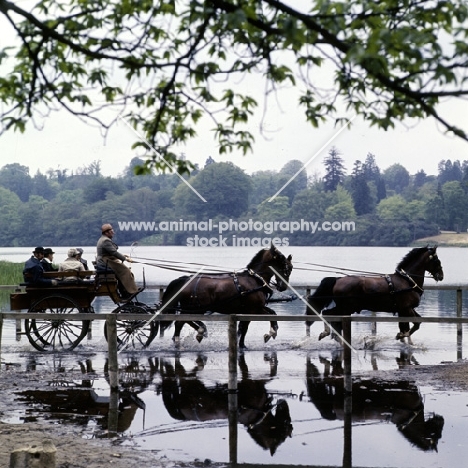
point(243, 292)
point(187, 397)
point(396, 401)
point(397, 293)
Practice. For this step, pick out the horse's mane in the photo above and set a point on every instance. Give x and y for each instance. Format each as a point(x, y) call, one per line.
point(411, 256)
point(257, 258)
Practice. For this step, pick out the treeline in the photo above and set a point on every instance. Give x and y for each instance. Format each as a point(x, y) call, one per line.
point(386, 208)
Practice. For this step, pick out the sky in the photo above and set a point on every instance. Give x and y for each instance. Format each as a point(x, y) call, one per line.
point(65, 142)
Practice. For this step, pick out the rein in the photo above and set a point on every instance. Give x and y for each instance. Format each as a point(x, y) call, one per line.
point(339, 270)
point(405, 275)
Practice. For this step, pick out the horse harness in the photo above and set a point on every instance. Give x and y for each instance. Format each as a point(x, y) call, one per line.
point(241, 291)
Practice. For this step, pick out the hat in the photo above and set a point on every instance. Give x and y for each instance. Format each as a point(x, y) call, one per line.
point(48, 252)
point(106, 227)
point(39, 250)
point(79, 250)
point(72, 252)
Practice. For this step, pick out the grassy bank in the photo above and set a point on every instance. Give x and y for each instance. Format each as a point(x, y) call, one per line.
point(11, 273)
point(447, 239)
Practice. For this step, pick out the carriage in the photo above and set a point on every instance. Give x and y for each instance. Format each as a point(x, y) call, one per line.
point(75, 294)
point(247, 291)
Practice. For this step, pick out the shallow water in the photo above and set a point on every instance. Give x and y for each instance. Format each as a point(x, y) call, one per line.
point(174, 402)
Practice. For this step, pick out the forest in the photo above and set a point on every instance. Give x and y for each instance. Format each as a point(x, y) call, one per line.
point(366, 207)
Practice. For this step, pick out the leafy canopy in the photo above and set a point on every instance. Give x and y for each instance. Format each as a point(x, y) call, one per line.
point(164, 65)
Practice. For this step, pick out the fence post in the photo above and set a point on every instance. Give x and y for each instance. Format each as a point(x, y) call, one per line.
point(1, 330)
point(111, 324)
point(459, 325)
point(347, 395)
point(232, 390)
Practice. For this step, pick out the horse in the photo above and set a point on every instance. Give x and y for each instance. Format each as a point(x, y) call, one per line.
point(244, 292)
point(397, 293)
point(397, 401)
point(187, 397)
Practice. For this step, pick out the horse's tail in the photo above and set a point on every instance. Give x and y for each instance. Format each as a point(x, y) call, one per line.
point(322, 296)
point(170, 299)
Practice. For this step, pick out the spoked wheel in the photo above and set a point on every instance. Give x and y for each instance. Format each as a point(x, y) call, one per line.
point(135, 334)
point(134, 376)
point(51, 335)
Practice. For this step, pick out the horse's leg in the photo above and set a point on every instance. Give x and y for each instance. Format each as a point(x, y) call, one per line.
point(311, 309)
point(405, 331)
point(241, 332)
point(335, 329)
point(177, 329)
point(415, 327)
point(326, 331)
point(273, 326)
point(201, 329)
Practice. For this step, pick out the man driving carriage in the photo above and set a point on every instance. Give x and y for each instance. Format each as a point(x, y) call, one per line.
point(109, 258)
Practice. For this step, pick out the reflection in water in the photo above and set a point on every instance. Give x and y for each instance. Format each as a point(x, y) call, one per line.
point(78, 403)
point(396, 401)
point(188, 398)
point(185, 396)
point(187, 393)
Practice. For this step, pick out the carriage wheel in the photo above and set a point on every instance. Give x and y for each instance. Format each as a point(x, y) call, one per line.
point(46, 335)
point(136, 334)
point(133, 376)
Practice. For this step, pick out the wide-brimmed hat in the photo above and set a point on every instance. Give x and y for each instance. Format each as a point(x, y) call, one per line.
point(48, 251)
point(39, 250)
point(106, 227)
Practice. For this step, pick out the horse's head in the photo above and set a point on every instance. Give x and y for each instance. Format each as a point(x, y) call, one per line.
point(424, 433)
point(271, 262)
point(422, 259)
point(433, 266)
point(273, 428)
point(281, 267)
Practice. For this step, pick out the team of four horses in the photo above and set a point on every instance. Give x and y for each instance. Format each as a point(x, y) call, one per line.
point(249, 291)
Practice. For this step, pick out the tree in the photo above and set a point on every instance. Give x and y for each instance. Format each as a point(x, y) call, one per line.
point(99, 188)
point(292, 178)
point(16, 178)
point(276, 210)
point(449, 171)
point(224, 186)
point(420, 178)
point(43, 186)
point(396, 178)
point(371, 169)
point(456, 205)
point(10, 217)
point(334, 170)
point(360, 190)
point(264, 186)
point(160, 64)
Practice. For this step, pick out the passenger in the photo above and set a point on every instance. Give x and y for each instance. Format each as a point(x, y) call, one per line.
point(48, 260)
point(81, 259)
point(33, 272)
point(71, 264)
point(108, 257)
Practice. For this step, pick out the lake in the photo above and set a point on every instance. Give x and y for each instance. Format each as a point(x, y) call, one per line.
point(306, 260)
point(179, 398)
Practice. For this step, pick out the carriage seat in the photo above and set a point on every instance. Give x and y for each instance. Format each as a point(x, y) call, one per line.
point(100, 270)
